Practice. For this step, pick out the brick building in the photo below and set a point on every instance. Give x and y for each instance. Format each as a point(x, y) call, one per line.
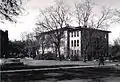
point(3, 43)
point(82, 42)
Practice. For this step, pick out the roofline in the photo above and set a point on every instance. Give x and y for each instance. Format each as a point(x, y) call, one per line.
point(74, 28)
point(86, 28)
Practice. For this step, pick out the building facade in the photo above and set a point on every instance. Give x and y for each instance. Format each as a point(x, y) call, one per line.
point(3, 43)
point(81, 42)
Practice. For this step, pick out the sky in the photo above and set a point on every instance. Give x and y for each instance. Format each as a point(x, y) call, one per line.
point(26, 22)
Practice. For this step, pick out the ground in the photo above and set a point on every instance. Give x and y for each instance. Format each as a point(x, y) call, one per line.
point(54, 62)
point(83, 72)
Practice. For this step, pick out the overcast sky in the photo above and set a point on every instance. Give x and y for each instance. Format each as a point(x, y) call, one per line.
point(26, 22)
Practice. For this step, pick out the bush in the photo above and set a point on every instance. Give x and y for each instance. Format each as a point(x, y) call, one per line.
point(62, 57)
point(47, 56)
point(38, 57)
point(116, 57)
point(75, 57)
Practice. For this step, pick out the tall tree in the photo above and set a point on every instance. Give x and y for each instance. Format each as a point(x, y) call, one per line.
point(54, 18)
point(83, 11)
point(30, 46)
point(117, 15)
point(43, 42)
point(85, 16)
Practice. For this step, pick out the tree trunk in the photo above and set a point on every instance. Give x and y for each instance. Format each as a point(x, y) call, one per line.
point(42, 55)
point(59, 53)
point(85, 55)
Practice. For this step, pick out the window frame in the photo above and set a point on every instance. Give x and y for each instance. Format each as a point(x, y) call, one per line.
point(74, 43)
point(74, 33)
point(77, 33)
point(78, 43)
point(71, 43)
point(71, 34)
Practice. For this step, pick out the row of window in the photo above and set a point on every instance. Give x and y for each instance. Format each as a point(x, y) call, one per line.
point(75, 52)
point(75, 34)
point(75, 43)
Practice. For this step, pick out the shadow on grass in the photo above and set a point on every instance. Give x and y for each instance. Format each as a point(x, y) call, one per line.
point(93, 74)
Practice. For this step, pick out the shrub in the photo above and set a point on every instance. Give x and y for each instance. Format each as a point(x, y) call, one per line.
point(46, 56)
point(75, 57)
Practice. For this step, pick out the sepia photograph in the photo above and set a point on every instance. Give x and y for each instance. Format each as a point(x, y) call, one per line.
point(59, 40)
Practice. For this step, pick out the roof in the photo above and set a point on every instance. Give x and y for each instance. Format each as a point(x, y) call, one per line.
point(71, 28)
point(86, 28)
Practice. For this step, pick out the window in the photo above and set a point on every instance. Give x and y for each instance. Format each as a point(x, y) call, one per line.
point(74, 43)
point(77, 42)
point(105, 36)
point(72, 52)
point(75, 52)
point(71, 34)
point(74, 34)
point(77, 33)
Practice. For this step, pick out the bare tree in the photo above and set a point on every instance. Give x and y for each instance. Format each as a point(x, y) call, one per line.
point(83, 12)
point(30, 42)
point(104, 20)
point(85, 16)
point(54, 18)
point(43, 42)
point(117, 15)
point(23, 36)
point(10, 9)
point(117, 41)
